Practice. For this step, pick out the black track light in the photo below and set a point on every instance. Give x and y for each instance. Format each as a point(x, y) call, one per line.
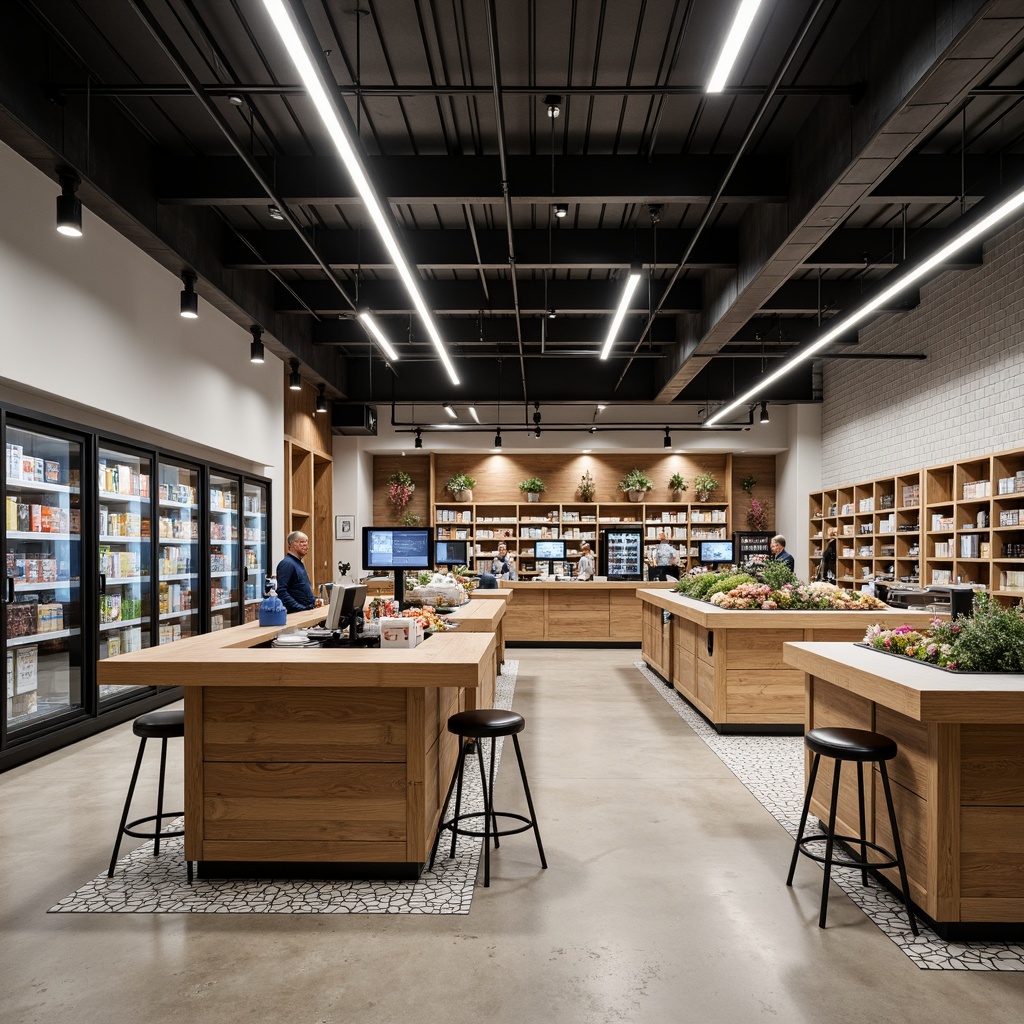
point(418, 443)
point(69, 206)
point(764, 412)
point(189, 305)
point(256, 354)
point(274, 212)
point(536, 412)
point(497, 440)
point(294, 380)
point(668, 439)
point(536, 432)
point(321, 399)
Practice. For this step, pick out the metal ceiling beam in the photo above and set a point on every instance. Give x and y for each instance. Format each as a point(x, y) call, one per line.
point(456, 249)
point(811, 296)
point(856, 248)
point(442, 180)
point(945, 178)
point(920, 64)
point(388, 298)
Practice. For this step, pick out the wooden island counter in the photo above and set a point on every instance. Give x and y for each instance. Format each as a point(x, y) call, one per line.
point(319, 761)
point(728, 663)
point(957, 781)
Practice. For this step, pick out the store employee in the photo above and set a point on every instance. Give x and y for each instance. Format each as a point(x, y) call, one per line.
point(503, 564)
point(780, 554)
point(292, 581)
point(585, 568)
point(666, 559)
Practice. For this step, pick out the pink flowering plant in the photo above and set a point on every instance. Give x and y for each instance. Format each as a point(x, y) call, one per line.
point(400, 488)
point(739, 590)
point(989, 640)
point(757, 514)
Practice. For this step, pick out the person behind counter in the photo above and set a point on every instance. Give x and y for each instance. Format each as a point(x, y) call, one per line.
point(585, 567)
point(292, 581)
point(503, 565)
point(780, 554)
point(666, 559)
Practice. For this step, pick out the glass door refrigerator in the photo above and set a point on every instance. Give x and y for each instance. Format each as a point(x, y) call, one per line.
point(622, 552)
point(255, 549)
point(124, 521)
point(42, 601)
point(179, 600)
point(224, 561)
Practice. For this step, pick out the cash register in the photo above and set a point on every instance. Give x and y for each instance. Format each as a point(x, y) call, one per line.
point(948, 600)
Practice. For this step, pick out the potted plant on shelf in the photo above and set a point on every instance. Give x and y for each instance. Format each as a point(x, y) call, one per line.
point(460, 486)
point(677, 484)
point(704, 485)
point(400, 488)
point(636, 483)
point(587, 488)
point(533, 488)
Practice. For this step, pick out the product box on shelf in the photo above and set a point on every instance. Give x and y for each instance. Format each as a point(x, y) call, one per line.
point(26, 676)
point(396, 633)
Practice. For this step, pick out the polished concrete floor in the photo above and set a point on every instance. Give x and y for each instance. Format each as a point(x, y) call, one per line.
point(664, 901)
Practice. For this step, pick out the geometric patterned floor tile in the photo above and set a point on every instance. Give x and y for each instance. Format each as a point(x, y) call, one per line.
point(144, 884)
point(772, 768)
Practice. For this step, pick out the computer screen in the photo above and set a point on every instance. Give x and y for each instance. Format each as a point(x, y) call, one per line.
point(451, 552)
point(397, 547)
point(712, 551)
point(550, 549)
point(345, 602)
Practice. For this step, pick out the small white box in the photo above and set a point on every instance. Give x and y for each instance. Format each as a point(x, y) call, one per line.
point(400, 633)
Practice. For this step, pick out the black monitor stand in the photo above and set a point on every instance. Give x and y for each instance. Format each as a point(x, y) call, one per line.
point(400, 588)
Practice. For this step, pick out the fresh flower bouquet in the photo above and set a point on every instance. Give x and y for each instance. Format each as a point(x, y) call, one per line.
point(757, 515)
point(740, 590)
point(428, 618)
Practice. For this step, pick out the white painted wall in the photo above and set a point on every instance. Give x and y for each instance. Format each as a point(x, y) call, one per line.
point(882, 418)
point(797, 472)
point(92, 334)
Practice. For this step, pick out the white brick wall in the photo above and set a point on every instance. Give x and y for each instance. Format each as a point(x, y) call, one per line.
point(892, 416)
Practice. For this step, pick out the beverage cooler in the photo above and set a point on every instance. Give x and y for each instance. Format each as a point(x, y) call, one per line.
point(622, 552)
point(111, 547)
point(224, 552)
point(255, 546)
point(42, 601)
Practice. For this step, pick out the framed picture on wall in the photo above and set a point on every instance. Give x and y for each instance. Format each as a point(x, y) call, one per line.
point(344, 527)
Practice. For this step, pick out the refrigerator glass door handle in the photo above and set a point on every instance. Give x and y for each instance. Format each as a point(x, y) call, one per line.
point(103, 582)
point(10, 590)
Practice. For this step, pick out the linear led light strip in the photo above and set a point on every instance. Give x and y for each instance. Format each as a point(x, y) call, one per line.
point(371, 326)
point(733, 42)
point(1001, 212)
point(631, 282)
point(282, 16)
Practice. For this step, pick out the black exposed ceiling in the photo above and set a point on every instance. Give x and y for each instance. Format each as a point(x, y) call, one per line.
point(854, 136)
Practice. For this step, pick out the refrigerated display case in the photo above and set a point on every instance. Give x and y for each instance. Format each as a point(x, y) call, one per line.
point(43, 596)
point(124, 520)
point(223, 561)
point(622, 552)
point(255, 549)
point(178, 560)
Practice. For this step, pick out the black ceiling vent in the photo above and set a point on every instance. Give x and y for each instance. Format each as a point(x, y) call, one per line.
point(354, 419)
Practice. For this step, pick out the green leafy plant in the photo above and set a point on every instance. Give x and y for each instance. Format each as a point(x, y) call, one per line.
point(677, 482)
point(400, 478)
point(990, 640)
point(749, 483)
point(587, 488)
point(532, 485)
point(459, 482)
point(704, 484)
point(635, 480)
point(777, 575)
point(409, 519)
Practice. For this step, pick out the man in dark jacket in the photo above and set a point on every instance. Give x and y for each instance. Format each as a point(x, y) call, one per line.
point(292, 581)
point(780, 554)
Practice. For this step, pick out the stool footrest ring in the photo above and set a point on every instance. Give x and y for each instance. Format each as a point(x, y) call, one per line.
point(128, 829)
point(452, 826)
point(852, 863)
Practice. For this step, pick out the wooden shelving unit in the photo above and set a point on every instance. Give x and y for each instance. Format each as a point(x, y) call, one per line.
point(309, 482)
point(958, 522)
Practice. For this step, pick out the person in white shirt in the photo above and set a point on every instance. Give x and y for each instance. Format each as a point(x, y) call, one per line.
point(665, 558)
point(585, 568)
point(501, 564)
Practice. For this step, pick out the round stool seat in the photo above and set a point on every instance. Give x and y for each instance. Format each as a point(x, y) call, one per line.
point(486, 722)
point(850, 744)
point(159, 725)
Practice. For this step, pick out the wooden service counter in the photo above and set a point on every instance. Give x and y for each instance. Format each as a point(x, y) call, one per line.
point(728, 663)
point(484, 616)
point(316, 762)
point(572, 612)
point(957, 781)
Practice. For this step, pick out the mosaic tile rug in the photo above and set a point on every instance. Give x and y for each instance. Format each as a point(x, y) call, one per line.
point(144, 884)
point(772, 768)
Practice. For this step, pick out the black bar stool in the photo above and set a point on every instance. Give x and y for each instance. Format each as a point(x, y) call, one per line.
point(473, 726)
point(855, 745)
point(157, 725)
